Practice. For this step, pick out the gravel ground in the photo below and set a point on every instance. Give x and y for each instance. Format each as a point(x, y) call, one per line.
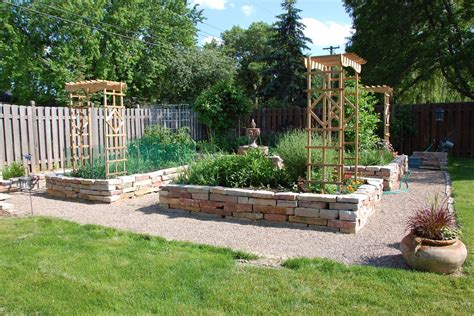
point(376, 244)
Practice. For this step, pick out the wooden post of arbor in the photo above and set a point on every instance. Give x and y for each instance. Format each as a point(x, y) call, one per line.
point(114, 124)
point(327, 107)
point(387, 93)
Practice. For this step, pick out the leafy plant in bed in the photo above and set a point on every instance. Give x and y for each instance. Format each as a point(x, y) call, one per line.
point(252, 170)
point(159, 148)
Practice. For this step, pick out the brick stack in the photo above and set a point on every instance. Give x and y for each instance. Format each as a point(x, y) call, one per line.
point(110, 190)
point(391, 173)
point(337, 213)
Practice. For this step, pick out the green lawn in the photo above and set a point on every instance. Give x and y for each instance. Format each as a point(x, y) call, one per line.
point(55, 266)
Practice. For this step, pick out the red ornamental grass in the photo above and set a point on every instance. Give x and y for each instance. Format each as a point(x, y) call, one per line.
point(432, 219)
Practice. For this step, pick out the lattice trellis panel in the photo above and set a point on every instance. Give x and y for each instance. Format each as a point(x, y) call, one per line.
point(332, 114)
point(80, 129)
point(114, 124)
point(114, 133)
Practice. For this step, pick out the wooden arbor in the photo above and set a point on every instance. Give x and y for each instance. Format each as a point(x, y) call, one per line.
point(114, 124)
point(327, 107)
point(387, 93)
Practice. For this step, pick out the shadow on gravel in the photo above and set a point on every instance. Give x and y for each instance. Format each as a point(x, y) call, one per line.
point(43, 194)
point(175, 213)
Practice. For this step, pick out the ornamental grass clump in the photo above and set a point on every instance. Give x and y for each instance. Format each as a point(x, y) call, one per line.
point(433, 220)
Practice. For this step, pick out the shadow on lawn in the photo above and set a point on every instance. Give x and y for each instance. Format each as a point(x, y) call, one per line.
point(388, 261)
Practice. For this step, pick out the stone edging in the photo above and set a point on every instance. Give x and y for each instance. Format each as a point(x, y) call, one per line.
point(110, 190)
point(391, 173)
point(448, 191)
point(329, 212)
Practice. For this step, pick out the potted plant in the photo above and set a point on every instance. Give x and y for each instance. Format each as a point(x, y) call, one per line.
point(433, 244)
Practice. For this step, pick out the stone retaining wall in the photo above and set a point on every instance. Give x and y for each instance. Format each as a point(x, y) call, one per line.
point(391, 173)
point(337, 213)
point(110, 190)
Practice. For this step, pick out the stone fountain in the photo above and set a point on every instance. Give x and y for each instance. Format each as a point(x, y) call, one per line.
point(252, 133)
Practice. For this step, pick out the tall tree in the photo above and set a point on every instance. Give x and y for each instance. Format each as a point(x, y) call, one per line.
point(45, 43)
point(286, 71)
point(249, 48)
point(194, 71)
point(423, 39)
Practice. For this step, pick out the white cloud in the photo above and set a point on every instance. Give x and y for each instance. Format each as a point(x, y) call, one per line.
point(326, 33)
point(210, 4)
point(209, 39)
point(248, 10)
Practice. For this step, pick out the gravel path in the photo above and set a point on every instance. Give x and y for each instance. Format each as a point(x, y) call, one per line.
point(376, 244)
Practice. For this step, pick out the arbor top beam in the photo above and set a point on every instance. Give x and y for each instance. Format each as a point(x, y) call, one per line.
point(95, 85)
point(380, 89)
point(343, 60)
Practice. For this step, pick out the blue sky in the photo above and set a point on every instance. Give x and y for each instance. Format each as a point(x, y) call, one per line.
point(326, 21)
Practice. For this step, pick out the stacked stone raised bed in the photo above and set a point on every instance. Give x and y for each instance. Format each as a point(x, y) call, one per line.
point(432, 160)
point(391, 174)
point(110, 190)
point(338, 213)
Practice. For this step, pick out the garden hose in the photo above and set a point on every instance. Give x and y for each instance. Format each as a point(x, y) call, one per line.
point(406, 179)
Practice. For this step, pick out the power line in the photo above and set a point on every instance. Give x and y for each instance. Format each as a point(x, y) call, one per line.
point(119, 27)
point(214, 27)
point(89, 26)
point(100, 29)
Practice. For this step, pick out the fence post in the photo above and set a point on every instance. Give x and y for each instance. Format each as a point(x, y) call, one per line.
point(35, 154)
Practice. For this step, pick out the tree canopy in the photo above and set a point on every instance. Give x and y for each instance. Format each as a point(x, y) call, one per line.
point(406, 43)
point(45, 43)
point(249, 48)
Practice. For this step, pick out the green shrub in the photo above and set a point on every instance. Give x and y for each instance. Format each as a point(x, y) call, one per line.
point(375, 157)
point(250, 170)
point(13, 170)
point(221, 106)
point(156, 134)
point(291, 148)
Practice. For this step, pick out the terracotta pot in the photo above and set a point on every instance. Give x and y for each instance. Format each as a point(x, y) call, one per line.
point(440, 256)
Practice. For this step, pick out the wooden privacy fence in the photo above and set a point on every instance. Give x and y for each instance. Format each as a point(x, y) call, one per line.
point(277, 119)
point(457, 126)
point(43, 132)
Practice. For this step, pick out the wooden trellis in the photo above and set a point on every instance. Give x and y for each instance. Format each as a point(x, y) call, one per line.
point(114, 124)
point(387, 93)
point(327, 106)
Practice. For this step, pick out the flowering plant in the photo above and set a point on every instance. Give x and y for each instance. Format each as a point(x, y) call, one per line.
point(350, 184)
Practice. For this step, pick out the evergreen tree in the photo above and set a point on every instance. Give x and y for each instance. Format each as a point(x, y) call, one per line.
point(287, 71)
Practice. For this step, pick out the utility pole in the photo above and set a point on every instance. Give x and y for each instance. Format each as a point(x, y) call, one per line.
point(331, 49)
